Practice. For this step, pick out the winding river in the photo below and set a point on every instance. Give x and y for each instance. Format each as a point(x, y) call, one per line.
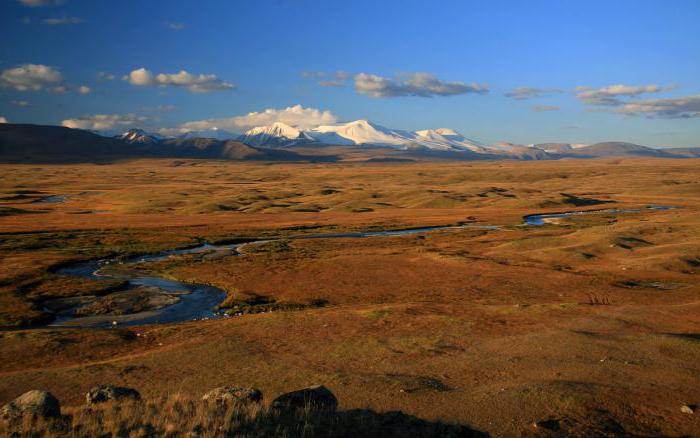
point(199, 301)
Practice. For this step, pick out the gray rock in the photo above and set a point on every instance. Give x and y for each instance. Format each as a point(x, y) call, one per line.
point(318, 397)
point(35, 402)
point(229, 394)
point(106, 393)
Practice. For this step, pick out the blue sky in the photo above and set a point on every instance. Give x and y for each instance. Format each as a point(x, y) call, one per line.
point(404, 64)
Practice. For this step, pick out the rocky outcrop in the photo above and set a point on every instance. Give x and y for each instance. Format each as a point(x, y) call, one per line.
point(109, 393)
point(318, 397)
point(230, 394)
point(36, 403)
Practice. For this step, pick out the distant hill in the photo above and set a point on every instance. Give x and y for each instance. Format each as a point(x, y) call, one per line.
point(37, 143)
point(227, 149)
point(684, 152)
point(617, 149)
point(55, 144)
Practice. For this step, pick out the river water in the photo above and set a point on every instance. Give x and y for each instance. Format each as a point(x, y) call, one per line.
point(201, 300)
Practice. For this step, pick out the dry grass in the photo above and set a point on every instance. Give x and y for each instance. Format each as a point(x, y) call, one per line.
point(178, 415)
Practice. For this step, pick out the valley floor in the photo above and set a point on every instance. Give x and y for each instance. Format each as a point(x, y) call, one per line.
point(591, 321)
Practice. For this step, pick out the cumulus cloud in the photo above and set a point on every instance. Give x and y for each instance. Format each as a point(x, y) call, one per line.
point(105, 122)
point(3, 120)
point(329, 79)
point(413, 84)
point(524, 93)
point(62, 20)
point(39, 3)
point(669, 108)
point(201, 83)
point(297, 116)
point(543, 108)
point(32, 77)
point(84, 89)
point(614, 95)
point(20, 103)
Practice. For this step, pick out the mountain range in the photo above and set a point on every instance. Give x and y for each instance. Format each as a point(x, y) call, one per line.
point(360, 133)
point(363, 133)
point(282, 142)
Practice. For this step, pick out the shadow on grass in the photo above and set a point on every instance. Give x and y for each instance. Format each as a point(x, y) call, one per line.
point(187, 417)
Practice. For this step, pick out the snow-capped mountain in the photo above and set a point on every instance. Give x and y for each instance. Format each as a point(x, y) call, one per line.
point(360, 133)
point(139, 136)
point(442, 136)
point(276, 135)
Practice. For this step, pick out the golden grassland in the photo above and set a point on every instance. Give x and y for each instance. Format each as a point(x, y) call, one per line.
point(591, 319)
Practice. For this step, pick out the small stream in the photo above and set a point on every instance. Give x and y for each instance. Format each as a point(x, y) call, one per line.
point(541, 219)
point(199, 301)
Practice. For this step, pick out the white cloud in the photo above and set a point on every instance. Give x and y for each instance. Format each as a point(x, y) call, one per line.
point(20, 103)
point(38, 3)
point(624, 99)
point(105, 122)
point(613, 95)
point(202, 83)
point(34, 77)
point(3, 120)
point(104, 76)
point(297, 116)
point(413, 84)
point(523, 93)
point(329, 79)
point(175, 25)
point(543, 108)
point(62, 20)
point(669, 108)
point(84, 89)
point(141, 77)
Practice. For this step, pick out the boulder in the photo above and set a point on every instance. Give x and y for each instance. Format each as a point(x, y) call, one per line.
point(35, 402)
point(318, 397)
point(230, 394)
point(108, 393)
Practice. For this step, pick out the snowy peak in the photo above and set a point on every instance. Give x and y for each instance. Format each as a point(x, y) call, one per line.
point(359, 132)
point(277, 129)
point(447, 139)
point(139, 136)
point(448, 131)
point(276, 135)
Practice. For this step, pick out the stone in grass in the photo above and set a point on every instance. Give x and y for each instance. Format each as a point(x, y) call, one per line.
point(688, 409)
point(318, 397)
point(37, 403)
point(230, 394)
point(109, 393)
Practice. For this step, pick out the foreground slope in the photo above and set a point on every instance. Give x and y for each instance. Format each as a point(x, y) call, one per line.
point(588, 325)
